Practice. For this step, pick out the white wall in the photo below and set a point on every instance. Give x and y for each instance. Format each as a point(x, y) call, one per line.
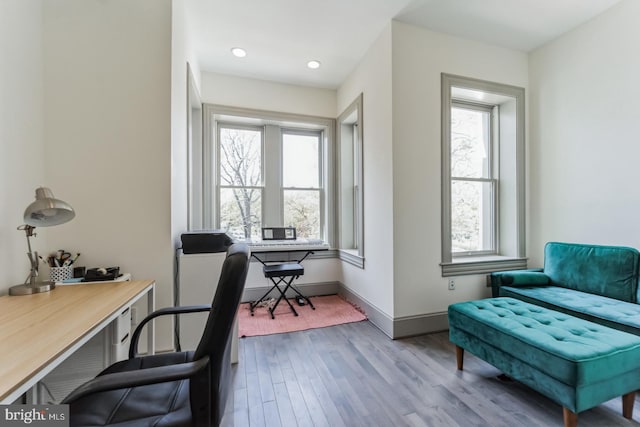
point(181, 54)
point(108, 135)
point(21, 132)
point(585, 109)
point(372, 77)
point(419, 58)
point(264, 95)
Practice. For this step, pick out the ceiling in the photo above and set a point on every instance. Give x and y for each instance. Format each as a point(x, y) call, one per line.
point(281, 36)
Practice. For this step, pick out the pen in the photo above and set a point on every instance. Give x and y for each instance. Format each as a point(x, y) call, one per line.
point(72, 261)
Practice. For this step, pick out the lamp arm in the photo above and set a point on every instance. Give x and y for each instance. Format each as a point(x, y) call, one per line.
point(33, 256)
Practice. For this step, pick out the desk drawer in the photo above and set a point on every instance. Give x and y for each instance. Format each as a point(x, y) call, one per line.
point(122, 326)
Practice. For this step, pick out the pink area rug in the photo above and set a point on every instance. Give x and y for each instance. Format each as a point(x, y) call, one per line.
point(330, 310)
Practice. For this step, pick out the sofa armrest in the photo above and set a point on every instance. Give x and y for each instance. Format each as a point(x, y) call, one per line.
point(530, 277)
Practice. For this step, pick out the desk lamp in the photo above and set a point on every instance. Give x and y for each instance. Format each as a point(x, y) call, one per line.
point(44, 212)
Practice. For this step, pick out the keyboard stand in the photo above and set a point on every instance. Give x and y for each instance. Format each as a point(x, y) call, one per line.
point(282, 273)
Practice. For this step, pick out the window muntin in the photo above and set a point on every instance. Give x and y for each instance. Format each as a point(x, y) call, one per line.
point(473, 222)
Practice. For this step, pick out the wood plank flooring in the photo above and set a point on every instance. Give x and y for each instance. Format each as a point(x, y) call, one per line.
point(354, 375)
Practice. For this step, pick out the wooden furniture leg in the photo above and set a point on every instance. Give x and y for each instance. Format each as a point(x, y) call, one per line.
point(459, 357)
point(570, 418)
point(627, 404)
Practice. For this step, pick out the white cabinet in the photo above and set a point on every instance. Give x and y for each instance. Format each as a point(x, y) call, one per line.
point(198, 279)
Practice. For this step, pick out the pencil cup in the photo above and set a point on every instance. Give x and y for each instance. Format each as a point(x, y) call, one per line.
point(58, 274)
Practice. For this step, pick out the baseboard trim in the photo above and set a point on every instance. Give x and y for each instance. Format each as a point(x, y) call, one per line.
point(401, 327)
point(308, 289)
point(380, 319)
point(419, 325)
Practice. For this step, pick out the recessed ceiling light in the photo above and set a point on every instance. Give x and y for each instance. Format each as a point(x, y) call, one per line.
point(239, 52)
point(313, 64)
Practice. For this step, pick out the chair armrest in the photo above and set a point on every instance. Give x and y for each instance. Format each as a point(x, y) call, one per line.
point(133, 347)
point(137, 378)
point(529, 277)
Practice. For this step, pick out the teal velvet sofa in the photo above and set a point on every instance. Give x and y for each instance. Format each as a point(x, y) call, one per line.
point(592, 282)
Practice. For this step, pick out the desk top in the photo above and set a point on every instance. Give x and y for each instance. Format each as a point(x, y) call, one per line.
point(36, 329)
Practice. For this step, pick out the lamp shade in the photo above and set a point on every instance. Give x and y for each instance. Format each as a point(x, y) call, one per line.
point(47, 210)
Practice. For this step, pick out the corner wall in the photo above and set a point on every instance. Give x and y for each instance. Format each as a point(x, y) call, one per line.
point(372, 77)
point(108, 135)
point(419, 58)
point(585, 147)
point(22, 156)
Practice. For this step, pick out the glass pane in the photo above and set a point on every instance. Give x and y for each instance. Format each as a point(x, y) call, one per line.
point(471, 216)
point(240, 157)
point(469, 143)
point(300, 161)
point(241, 212)
point(302, 211)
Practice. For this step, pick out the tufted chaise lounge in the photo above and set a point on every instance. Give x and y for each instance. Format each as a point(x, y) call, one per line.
point(574, 362)
point(595, 283)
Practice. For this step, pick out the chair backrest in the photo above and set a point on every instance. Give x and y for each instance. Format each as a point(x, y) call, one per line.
point(209, 392)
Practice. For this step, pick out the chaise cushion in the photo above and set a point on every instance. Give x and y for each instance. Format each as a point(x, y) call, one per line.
point(610, 312)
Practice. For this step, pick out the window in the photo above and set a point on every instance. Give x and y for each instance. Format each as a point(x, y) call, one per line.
point(473, 186)
point(241, 184)
point(268, 170)
point(302, 191)
point(482, 176)
point(350, 192)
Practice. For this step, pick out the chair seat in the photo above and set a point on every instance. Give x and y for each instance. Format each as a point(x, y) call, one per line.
point(160, 405)
point(283, 270)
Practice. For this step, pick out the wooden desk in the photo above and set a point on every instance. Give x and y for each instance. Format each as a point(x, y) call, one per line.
point(39, 331)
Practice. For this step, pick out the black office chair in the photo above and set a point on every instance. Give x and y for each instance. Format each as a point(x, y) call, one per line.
point(171, 389)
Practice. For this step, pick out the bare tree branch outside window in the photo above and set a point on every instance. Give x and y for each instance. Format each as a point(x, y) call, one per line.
point(240, 182)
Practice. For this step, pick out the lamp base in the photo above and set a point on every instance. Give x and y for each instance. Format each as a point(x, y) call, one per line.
point(29, 289)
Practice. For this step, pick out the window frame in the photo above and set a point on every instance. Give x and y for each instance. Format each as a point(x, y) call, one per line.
point(493, 149)
point(322, 186)
point(219, 115)
point(218, 188)
point(353, 255)
point(503, 259)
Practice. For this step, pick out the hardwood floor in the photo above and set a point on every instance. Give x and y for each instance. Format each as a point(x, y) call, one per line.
point(354, 375)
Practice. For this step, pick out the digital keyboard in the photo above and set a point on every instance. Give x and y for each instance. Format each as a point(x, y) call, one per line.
point(288, 245)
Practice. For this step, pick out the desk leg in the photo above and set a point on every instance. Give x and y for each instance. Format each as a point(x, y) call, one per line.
point(151, 306)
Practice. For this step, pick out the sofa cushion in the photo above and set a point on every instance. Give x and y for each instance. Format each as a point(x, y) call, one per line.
point(610, 271)
point(610, 312)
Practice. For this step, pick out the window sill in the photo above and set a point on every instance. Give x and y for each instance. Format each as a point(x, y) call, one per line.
point(351, 256)
point(482, 264)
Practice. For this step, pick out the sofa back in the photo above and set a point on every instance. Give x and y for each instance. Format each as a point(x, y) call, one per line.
point(610, 271)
